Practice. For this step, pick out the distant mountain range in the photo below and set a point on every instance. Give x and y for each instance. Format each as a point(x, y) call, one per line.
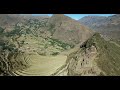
point(109, 26)
point(9, 20)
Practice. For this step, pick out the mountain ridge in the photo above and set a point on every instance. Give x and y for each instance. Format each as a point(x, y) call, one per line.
point(92, 59)
point(108, 26)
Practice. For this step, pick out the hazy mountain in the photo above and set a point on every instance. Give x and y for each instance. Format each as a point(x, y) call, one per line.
point(67, 29)
point(8, 20)
point(92, 21)
point(108, 26)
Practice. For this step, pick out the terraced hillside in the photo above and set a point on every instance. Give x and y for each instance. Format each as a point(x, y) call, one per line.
point(26, 40)
point(55, 46)
point(42, 65)
point(11, 59)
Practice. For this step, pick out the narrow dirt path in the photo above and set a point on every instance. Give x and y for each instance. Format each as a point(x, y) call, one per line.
point(115, 43)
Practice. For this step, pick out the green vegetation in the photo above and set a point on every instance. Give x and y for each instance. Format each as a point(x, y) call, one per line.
point(1, 30)
point(71, 31)
point(42, 53)
point(11, 58)
point(28, 31)
point(55, 53)
point(15, 32)
point(9, 47)
point(51, 28)
point(60, 43)
point(115, 40)
point(45, 46)
point(36, 23)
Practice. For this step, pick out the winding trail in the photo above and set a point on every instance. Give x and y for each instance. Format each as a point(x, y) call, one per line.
point(115, 43)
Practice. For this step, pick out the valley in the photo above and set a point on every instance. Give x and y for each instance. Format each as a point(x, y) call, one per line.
point(43, 65)
point(59, 45)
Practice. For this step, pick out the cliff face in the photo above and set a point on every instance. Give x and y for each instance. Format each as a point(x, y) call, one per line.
point(83, 63)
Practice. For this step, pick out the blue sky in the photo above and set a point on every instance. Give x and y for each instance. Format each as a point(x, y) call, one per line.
point(77, 16)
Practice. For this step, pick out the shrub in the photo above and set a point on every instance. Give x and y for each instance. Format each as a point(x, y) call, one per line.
point(60, 43)
point(46, 46)
point(22, 42)
point(42, 53)
point(55, 53)
point(1, 30)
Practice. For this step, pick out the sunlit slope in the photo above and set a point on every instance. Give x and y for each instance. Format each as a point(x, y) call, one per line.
point(95, 57)
point(43, 65)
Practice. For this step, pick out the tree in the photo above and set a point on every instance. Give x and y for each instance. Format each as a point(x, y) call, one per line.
point(1, 30)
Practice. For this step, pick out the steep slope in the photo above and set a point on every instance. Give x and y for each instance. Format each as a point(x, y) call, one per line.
point(33, 37)
point(108, 26)
point(26, 40)
point(11, 59)
point(68, 30)
point(7, 20)
point(95, 57)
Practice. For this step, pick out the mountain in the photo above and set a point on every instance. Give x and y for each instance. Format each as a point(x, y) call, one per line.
point(8, 19)
point(92, 21)
point(56, 46)
point(95, 57)
point(60, 26)
point(27, 36)
point(30, 16)
point(67, 29)
point(108, 26)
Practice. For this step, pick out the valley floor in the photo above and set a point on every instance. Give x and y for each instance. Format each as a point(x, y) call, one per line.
point(43, 65)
